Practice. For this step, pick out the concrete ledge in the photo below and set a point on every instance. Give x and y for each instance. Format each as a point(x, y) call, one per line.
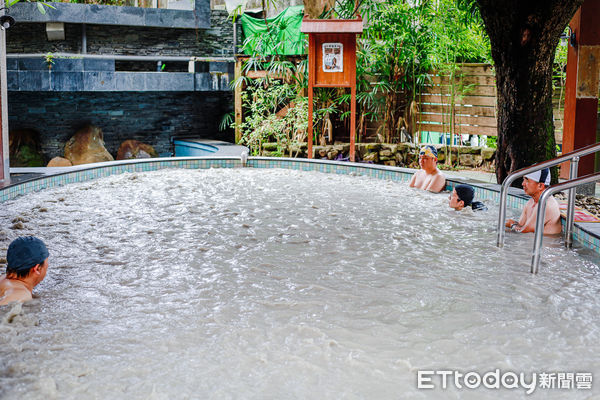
point(115, 15)
point(44, 80)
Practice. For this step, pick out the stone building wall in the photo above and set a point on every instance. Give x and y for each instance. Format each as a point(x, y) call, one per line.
point(127, 40)
point(150, 117)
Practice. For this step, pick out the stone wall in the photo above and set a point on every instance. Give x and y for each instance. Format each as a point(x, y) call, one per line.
point(401, 155)
point(127, 40)
point(196, 15)
point(150, 117)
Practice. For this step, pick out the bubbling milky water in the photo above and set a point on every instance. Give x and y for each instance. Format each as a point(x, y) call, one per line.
point(277, 284)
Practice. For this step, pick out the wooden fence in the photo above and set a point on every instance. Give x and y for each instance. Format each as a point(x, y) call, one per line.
point(460, 103)
point(464, 102)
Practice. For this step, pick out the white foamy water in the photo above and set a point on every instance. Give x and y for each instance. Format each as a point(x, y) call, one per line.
point(275, 284)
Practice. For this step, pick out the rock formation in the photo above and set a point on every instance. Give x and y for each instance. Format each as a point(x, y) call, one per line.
point(59, 162)
point(87, 146)
point(131, 149)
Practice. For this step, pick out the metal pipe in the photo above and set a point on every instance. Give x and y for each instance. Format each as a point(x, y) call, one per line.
point(592, 148)
point(571, 205)
point(125, 58)
point(502, 211)
point(539, 230)
point(541, 212)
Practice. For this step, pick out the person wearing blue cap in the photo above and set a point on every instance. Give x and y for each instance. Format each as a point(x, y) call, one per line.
point(534, 185)
point(429, 176)
point(27, 264)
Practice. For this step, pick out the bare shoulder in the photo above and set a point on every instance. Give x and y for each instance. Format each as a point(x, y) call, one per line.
point(416, 178)
point(9, 292)
point(438, 182)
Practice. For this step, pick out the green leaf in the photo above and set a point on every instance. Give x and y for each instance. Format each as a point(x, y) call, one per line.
point(41, 8)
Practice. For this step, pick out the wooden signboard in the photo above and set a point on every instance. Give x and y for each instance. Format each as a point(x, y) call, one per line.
point(332, 63)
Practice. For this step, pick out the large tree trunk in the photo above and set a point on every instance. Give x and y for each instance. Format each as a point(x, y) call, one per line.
point(523, 36)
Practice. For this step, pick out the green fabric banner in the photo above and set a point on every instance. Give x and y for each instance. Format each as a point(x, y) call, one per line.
point(281, 36)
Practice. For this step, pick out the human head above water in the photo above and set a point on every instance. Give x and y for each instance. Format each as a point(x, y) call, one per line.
point(541, 176)
point(23, 254)
point(536, 182)
point(465, 194)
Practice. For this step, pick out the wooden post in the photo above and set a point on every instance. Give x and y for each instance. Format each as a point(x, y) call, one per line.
point(353, 105)
point(332, 63)
point(581, 91)
point(238, 100)
point(311, 84)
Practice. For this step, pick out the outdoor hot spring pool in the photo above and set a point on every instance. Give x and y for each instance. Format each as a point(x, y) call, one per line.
point(281, 284)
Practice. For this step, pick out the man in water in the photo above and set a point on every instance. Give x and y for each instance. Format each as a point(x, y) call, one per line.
point(27, 264)
point(534, 184)
point(462, 196)
point(428, 177)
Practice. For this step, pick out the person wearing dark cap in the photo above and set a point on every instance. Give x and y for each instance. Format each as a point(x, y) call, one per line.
point(462, 196)
point(428, 177)
point(27, 264)
point(533, 185)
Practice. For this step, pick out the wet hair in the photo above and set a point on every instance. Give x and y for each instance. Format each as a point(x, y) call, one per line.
point(465, 193)
point(19, 273)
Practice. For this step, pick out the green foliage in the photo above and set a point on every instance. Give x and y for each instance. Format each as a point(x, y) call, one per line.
point(28, 156)
point(402, 42)
point(559, 74)
point(226, 121)
point(49, 59)
point(263, 100)
point(458, 35)
point(41, 5)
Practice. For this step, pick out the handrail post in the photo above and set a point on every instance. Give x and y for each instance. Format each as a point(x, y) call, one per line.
point(573, 157)
point(571, 205)
point(539, 230)
point(502, 208)
point(541, 212)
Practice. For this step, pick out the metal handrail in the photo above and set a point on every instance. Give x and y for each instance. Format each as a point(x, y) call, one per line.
point(573, 157)
point(541, 212)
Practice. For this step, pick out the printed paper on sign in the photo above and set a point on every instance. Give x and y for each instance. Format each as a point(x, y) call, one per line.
point(333, 57)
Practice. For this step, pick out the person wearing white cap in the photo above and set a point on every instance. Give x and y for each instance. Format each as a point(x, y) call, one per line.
point(533, 185)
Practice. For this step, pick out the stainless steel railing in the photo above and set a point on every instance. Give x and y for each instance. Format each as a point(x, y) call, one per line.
point(541, 212)
point(573, 157)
